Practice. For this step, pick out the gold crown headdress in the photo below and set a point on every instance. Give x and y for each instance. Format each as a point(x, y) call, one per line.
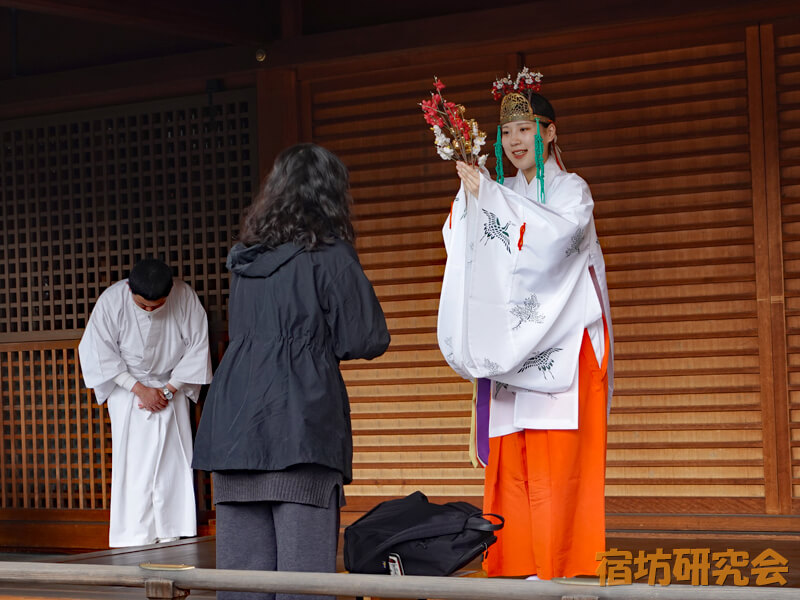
point(516, 106)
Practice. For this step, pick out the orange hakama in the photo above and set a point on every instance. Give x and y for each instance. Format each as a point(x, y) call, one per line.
point(549, 485)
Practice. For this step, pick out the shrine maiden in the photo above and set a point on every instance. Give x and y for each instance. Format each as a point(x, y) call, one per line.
point(524, 310)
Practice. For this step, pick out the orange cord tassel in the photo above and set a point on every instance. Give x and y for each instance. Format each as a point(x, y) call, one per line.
point(451, 213)
point(521, 235)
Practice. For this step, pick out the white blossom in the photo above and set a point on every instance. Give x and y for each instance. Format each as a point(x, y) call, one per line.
point(445, 152)
point(500, 83)
point(477, 142)
point(528, 77)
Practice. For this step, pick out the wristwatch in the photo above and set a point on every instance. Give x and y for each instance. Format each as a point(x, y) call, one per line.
point(167, 393)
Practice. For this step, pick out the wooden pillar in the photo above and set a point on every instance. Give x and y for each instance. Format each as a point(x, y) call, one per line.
point(277, 92)
point(772, 187)
point(769, 267)
point(762, 262)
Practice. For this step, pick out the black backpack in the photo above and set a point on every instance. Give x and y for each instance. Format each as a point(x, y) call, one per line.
point(424, 538)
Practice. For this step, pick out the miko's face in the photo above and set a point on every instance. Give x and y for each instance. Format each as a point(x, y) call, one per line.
point(519, 144)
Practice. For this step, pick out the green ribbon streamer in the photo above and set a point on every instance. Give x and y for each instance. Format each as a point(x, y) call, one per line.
point(539, 155)
point(498, 155)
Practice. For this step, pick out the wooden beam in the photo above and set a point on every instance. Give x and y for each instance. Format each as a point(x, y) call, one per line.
point(54, 529)
point(278, 125)
point(706, 523)
point(181, 74)
point(291, 18)
point(247, 23)
point(465, 30)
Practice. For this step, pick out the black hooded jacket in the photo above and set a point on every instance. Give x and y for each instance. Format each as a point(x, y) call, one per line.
point(278, 398)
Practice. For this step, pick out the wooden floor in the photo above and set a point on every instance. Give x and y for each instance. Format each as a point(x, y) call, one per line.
point(200, 552)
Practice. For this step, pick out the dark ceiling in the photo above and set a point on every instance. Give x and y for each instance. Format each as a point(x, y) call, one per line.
point(46, 43)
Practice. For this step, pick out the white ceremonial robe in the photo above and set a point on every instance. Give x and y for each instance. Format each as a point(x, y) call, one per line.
point(522, 282)
point(152, 493)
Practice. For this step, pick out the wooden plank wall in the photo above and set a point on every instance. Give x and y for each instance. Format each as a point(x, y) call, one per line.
point(660, 131)
point(669, 130)
point(410, 411)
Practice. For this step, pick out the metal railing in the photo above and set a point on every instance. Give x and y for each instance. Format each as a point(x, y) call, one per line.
point(170, 583)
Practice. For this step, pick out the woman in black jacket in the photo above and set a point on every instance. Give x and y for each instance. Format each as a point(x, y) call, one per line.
point(275, 430)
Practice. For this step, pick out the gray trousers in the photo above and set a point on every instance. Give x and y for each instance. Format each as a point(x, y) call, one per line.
point(282, 536)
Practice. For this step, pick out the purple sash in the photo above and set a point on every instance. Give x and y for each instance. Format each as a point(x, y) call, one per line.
point(482, 419)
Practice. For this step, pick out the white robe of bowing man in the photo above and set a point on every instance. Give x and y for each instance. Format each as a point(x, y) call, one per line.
point(152, 493)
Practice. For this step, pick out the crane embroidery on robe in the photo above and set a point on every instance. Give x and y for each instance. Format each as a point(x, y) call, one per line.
point(542, 361)
point(456, 201)
point(528, 311)
point(575, 243)
point(493, 231)
point(492, 368)
point(450, 357)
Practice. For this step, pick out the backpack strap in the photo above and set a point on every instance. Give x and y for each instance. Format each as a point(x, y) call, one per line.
point(480, 523)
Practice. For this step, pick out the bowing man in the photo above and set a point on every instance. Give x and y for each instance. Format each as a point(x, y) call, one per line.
point(145, 353)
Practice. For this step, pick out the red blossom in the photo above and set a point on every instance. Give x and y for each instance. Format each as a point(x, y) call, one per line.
point(449, 117)
point(534, 86)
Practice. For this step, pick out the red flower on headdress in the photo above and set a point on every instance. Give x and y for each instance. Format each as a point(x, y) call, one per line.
point(526, 80)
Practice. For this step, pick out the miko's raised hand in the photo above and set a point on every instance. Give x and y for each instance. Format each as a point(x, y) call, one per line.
point(470, 177)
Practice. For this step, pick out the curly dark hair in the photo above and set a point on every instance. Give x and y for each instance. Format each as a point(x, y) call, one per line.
point(305, 200)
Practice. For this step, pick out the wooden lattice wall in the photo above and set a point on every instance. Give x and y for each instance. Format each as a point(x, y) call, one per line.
point(56, 449)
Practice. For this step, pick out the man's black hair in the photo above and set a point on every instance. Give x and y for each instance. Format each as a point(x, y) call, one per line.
point(151, 279)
